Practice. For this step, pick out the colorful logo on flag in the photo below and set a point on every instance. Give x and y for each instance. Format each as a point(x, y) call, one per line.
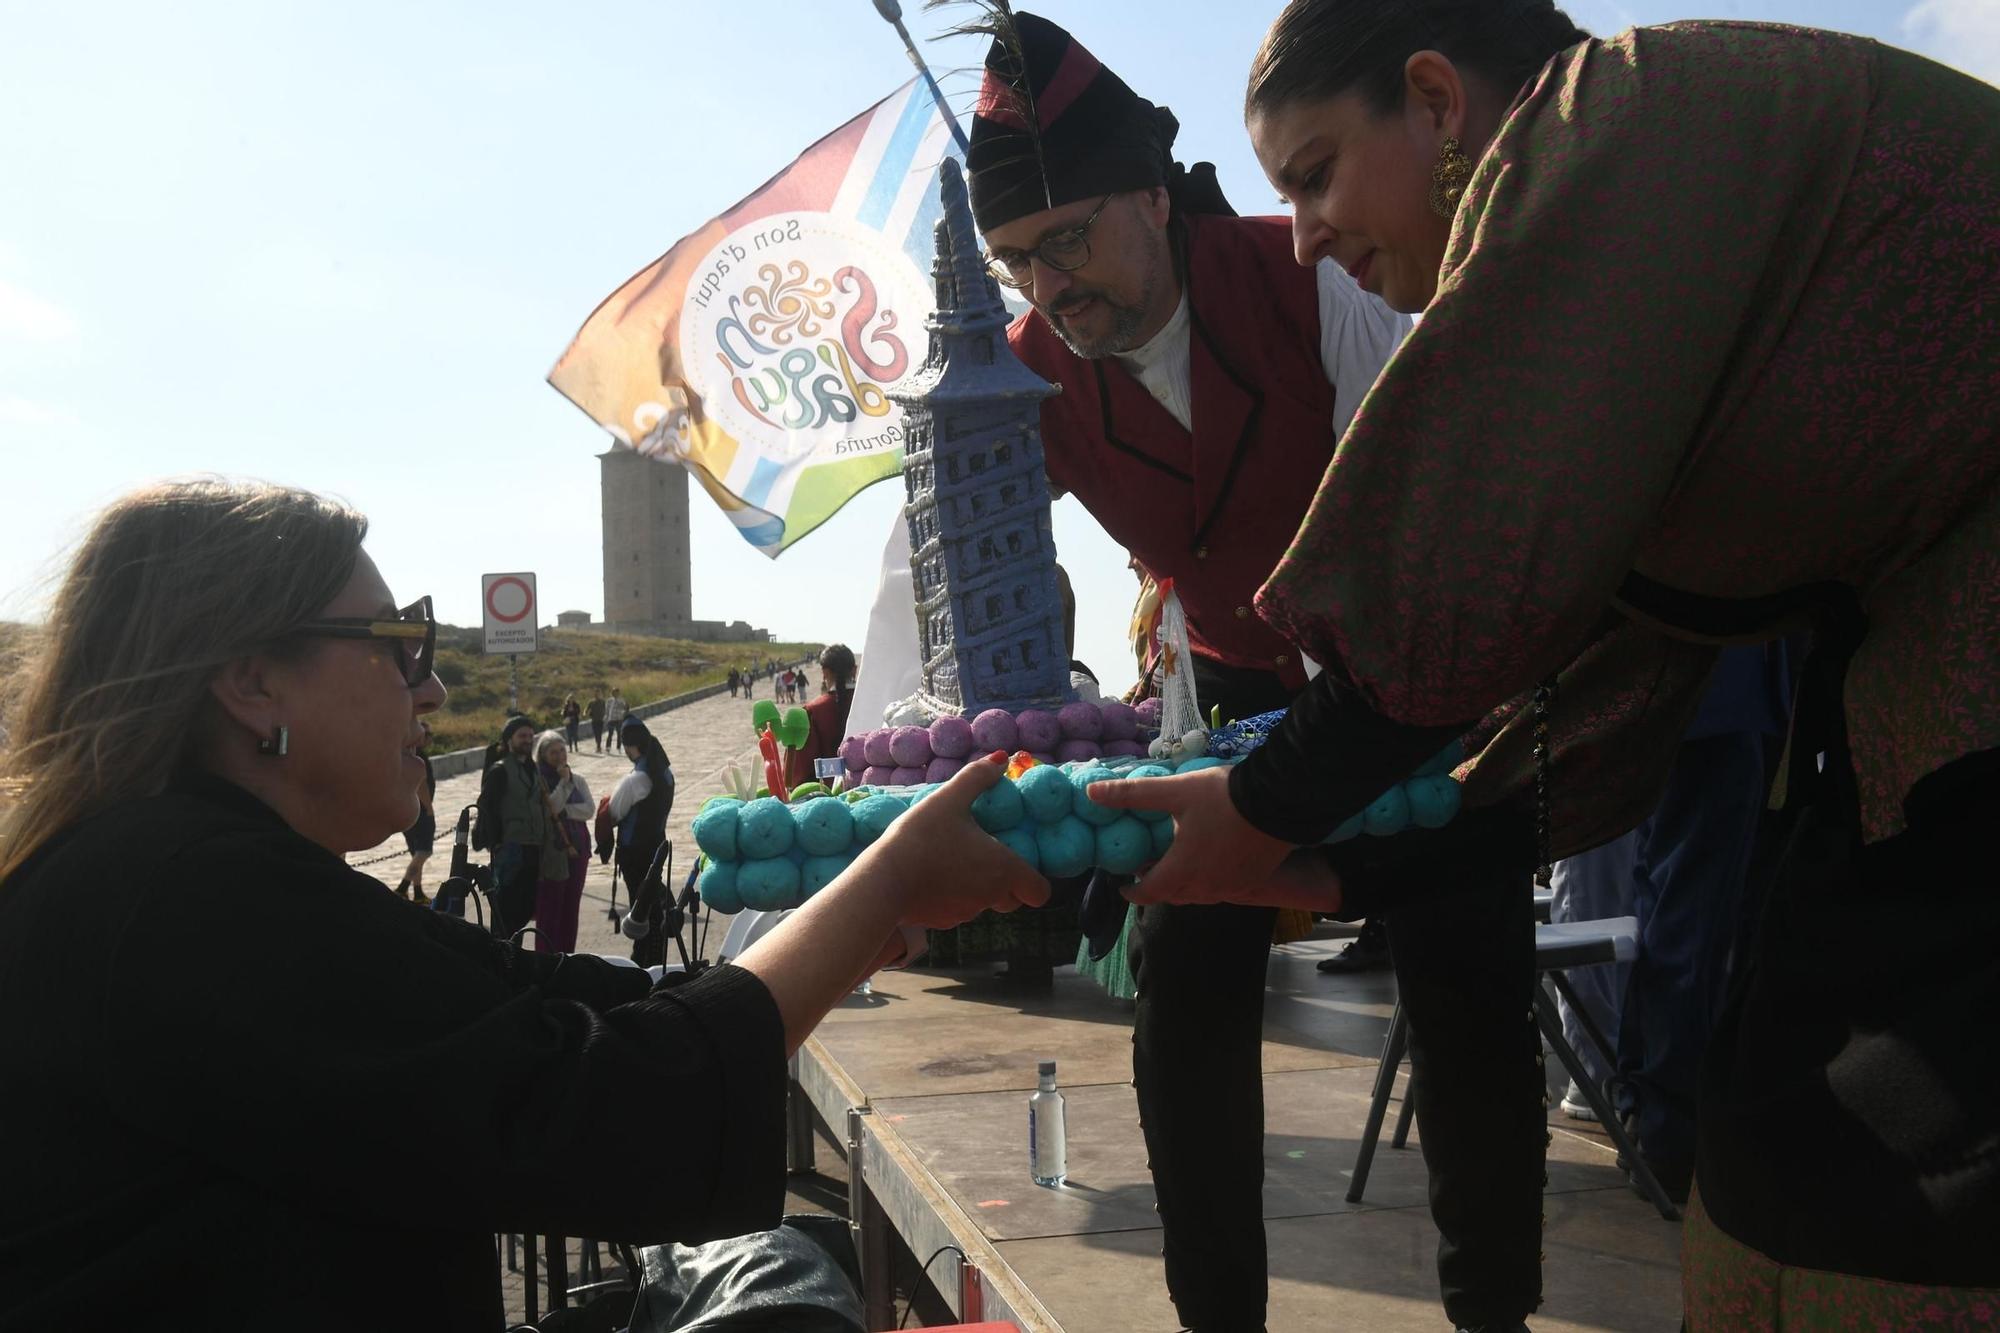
point(760, 351)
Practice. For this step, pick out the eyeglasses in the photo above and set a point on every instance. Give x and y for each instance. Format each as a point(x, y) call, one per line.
point(414, 632)
point(1065, 252)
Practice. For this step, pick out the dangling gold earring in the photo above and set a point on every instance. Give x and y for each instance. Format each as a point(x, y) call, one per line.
point(1448, 178)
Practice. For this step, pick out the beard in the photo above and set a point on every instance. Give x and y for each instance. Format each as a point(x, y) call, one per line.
point(1128, 320)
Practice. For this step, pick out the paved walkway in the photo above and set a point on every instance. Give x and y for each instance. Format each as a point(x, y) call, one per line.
point(701, 739)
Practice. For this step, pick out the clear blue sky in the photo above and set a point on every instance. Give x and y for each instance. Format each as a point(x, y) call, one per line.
point(339, 245)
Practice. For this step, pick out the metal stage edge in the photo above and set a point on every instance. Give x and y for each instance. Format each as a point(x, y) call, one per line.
point(889, 1190)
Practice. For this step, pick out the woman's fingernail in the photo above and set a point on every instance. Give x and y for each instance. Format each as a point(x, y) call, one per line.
point(997, 757)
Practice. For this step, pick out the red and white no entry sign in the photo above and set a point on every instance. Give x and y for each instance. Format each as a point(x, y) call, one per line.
point(508, 601)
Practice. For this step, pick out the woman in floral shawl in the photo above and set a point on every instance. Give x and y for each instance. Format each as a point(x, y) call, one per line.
point(1710, 347)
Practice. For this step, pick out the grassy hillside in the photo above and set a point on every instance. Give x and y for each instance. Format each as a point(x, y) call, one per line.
point(582, 664)
point(569, 662)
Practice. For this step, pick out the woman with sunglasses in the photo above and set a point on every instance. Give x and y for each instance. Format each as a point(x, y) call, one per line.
point(1711, 316)
point(210, 1024)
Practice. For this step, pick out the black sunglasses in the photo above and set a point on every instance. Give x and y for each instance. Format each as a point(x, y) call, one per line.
point(414, 632)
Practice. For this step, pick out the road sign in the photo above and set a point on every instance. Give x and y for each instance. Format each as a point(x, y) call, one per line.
point(508, 601)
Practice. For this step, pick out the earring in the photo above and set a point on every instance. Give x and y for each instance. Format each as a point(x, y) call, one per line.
point(277, 743)
point(1448, 178)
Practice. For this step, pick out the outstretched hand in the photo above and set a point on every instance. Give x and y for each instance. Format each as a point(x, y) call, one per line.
point(943, 867)
point(1217, 855)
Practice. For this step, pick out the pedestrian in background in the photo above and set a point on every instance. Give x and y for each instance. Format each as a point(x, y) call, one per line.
point(640, 804)
point(566, 852)
point(514, 823)
point(420, 836)
point(595, 712)
point(572, 717)
point(614, 714)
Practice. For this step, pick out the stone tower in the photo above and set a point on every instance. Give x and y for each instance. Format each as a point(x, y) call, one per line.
point(982, 553)
point(648, 573)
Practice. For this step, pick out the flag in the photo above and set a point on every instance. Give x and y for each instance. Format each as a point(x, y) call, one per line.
point(758, 353)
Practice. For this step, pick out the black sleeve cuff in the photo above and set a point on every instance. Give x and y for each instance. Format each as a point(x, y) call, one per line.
point(1330, 758)
point(746, 1040)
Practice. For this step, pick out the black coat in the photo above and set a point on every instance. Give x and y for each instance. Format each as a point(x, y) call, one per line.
point(248, 1087)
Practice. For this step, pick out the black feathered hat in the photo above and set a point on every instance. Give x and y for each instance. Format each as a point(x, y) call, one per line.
point(1052, 126)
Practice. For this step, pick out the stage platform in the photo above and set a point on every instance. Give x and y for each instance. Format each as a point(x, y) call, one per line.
point(926, 1082)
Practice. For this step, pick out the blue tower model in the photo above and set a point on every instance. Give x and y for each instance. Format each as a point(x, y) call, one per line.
point(982, 553)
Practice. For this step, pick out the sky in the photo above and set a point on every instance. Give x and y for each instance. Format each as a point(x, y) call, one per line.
point(339, 245)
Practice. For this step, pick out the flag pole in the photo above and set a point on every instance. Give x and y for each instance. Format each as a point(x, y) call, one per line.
point(892, 13)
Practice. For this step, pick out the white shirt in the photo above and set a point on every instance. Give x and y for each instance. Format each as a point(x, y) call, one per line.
point(1357, 335)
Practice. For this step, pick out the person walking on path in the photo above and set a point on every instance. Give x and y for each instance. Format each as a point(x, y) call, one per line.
point(595, 712)
point(420, 836)
point(566, 852)
point(614, 714)
point(572, 716)
point(514, 822)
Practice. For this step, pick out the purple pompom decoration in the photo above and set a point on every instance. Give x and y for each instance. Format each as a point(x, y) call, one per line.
point(906, 777)
point(910, 747)
point(875, 748)
point(1038, 731)
point(1070, 752)
point(1113, 749)
point(994, 729)
point(877, 775)
point(853, 753)
point(1080, 721)
point(942, 768)
point(1121, 721)
point(1148, 712)
point(951, 738)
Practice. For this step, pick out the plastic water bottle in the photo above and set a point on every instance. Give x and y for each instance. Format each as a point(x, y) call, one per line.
point(1048, 1133)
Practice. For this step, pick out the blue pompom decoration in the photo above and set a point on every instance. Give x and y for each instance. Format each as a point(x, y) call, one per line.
point(1434, 800)
point(1065, 847)
point(1389, 814)
point(998, 807)
point(1020, 840)
point(763, 829)
point(715, 830)
point(1089, 811)
point(825, 827)
point(1163, 837)
point(816, 872)
point(1351, 828)
point(1046, 792)
point(718, 888)
point(1123, 846)
point(769, 884)
point(873, 815)
point(1197, 764)
point(1150, 771)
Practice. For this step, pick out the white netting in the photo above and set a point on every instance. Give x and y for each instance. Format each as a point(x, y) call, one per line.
point(1180, 710)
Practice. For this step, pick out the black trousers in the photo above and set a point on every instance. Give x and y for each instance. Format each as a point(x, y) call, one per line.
point(1464, 954)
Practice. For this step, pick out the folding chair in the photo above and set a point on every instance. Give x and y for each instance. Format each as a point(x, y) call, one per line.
point(1557, 948)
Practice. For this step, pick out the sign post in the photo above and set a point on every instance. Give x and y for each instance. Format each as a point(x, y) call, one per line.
point(508, 604)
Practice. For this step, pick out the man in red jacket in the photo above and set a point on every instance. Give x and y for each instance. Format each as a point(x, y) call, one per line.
point(1206, 377)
